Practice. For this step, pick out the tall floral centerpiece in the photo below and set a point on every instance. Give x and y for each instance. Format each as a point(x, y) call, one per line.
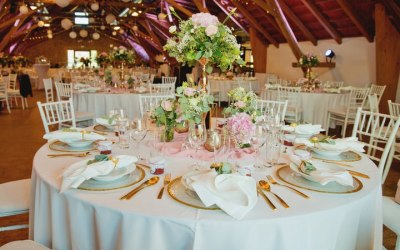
point(103, 59)
point(308, 61)
point(121, 56)
point(203, 39)
point(242, 101)
point(165, 116)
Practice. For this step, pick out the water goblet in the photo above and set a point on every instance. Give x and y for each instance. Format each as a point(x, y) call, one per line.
point(257, 140)
point(197, 136)
point(138, 133)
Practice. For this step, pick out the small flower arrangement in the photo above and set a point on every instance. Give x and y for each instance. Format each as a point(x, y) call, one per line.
point(193, 103)
point(203, 37)
point(165, 115)
point(122, 54)
point(85, 61)
point(102, 59)
point(240, 126)
point(20, 60)
point(3, 60)
point(242, 102)
point(308, 60)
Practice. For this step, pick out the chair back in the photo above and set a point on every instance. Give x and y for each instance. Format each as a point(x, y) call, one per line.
point(64, 91)
point(48, 89)
point(12, 84)
point(380, 131)
point(278, 106)
point(162, 89)
point(56, 113)
point(394, 108)
point(289, 94)
point(378, 90)
point(168, 79)
point(373, 103)
point(3, 91)
point(356, 100)
point(149, 102)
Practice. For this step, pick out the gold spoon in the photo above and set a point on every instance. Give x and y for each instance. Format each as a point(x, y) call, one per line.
point(266, 187)
point(153, 180)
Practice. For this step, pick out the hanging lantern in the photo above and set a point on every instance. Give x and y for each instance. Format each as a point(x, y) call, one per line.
point(114, 33)
point(121, 31)
point(40, 23)
point(49, 32)
point(50, 36)
point(23, 9)
point(135, 28)
point(91, 19)
point(66, 23)
point(83, 33)
point(73, 34)
point(110, 18)
point(95, 36)
point(102, 27)
point(95, 6)
point(62, 3)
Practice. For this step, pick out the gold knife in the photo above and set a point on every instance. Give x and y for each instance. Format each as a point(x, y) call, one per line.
point(271, 205)
point(355, 173)
point(167, 180)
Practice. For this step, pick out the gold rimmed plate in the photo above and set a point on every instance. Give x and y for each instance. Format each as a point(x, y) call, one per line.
point(63, 147)
point(125, 181)
point(102, 128)
point(348, 156)
point(187, 197)
point(287, 175)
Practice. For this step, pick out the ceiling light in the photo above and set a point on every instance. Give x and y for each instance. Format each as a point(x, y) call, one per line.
point(33, 7)
point(50, 36)
point(73, 34)
point(329, 55)
point(116, 27)
point(66, 23)
point(40, 23)
point(135, 28)
point(62, 3)
point(102, 27)
point(114, 33)
point(110, 18)
point(83, 33)
point(135, 13)
point(95, 36)
point(95, 6)
point(46, 25)
point(121, 31)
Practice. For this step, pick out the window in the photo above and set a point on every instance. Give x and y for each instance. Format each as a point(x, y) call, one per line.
point(75, 56)
point(81, 18)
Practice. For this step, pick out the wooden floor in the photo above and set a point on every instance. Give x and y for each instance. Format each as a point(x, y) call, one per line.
point(21, 136)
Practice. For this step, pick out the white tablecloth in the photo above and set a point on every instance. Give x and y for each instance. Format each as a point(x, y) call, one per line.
point(86, 220)
point(315, 105)
point(102, 103)
point(225, 85)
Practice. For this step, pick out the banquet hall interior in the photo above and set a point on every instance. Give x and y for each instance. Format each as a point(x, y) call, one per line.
point(237, 124)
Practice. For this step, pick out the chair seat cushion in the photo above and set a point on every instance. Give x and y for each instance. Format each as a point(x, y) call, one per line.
point(23, 245)
point(13, 91)
point(391, 212)
point(14, 197)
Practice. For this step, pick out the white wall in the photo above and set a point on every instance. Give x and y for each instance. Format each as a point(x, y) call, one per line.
point(355, 61)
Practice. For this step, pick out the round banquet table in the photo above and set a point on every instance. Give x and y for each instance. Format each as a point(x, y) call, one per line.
point(79, 219)
point(101, 103)
point(225, 85)
point(315, 105)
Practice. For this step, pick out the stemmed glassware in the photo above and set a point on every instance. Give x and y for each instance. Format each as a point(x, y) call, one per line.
point(138, 133)
point(258, 140)
point(197, 137)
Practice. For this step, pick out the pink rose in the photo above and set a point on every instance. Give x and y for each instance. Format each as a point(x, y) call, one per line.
point(189, 91)
point(211, 30)
point(166, 105)
point(204, 19)
point(240, 104)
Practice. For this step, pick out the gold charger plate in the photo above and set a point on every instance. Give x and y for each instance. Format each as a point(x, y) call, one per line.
point(286, 175)
point(186, 197)
point(348, 156)
point(123, 182)
point(102, 128)
point(63, 147)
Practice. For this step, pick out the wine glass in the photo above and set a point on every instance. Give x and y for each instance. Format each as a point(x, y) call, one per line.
point(197, 137)
point(257, 140)
point(138, 133)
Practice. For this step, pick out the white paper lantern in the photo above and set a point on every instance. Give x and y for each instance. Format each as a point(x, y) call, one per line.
point(73, 34)
point(102, 27)
point(23, 9)
point(110, 18)
point(114, 33)
point(66, 23)
point(83, 33)
point(40, 23)
point(95, 6)
point(162, 16)
point(91, 20)
point(50, 36)
point(63, 3)
point(121, 31)
point(95, 36)
point(49, 32)
point(135, 28)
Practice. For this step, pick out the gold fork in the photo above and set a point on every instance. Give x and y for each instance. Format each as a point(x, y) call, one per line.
point(274, 182)
point(167, 180)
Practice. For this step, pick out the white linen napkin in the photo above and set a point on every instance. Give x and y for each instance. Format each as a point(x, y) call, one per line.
point(141, 89)
point(307, 129)
point(67, 134)
point(324, 175)
point(78, 172)
point(341, 144)
point(105, 122)
point(233, 193)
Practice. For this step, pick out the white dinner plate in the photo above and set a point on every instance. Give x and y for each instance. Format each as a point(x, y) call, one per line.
point(116, 174)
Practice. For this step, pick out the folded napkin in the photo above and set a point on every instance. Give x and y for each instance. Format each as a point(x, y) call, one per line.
point(322, 173)
point(78, 172)
point(307, 129)
point(106, 121)
point(342, 144)
point(332, 90)
point(141, 89)
point(235, 194)
point(71, 134)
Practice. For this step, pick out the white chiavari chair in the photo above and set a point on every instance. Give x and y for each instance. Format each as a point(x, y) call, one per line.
point(378, 90)
point(59, 113)
point(373, 103)
point(162, 89)
point(168, 79)
point(149, 102)
point(291, 95)
point(48, 89)
point(379, 131)
point(279, 106)
point(4, 95)
point(394, 110)
point(13, 92)
point(347, 114)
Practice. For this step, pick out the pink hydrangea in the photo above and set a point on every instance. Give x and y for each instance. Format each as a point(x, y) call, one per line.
point(205, 19)
point(241, 127)
point(189, 91)
point(166, 105)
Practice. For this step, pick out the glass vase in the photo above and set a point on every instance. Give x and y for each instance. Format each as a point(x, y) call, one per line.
point(167, 132)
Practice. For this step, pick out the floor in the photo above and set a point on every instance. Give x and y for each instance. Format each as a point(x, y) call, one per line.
point(21, 136)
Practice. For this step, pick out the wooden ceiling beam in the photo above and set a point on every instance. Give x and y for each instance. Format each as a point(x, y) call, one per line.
point(254, 23)
point(268, 13)
point(298, 23)
point(355, 19)
point(286, 29)
point(7, 38)
point(179, 7)
point(201, 6)
point(107, 3)
point(237, 22)
point(12, 20)
point(323, 21)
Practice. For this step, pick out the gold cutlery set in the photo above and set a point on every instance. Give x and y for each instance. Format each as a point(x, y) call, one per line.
point(153, 180)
